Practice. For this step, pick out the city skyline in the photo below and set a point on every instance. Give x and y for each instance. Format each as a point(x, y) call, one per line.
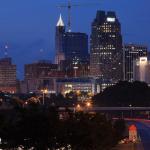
point(29, 28)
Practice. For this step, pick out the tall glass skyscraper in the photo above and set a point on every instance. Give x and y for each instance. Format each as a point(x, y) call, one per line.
point(106, 47)
point(75, 46)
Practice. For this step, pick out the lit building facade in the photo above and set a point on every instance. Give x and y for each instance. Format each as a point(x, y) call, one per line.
point(142, 70)
point(68, 85)
point(132, 52)
point(80, 69)
point(88, 85)
point(101, 85)
point(8, 81)
point(106, 54)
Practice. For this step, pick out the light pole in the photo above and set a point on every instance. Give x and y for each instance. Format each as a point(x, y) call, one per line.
point(130, 110)
point(88, 105)
point(44, 91)
point(148, 115)
point(122, 116)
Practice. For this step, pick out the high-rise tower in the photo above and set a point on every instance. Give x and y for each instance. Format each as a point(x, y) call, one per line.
point(60, 30)
point(132, 52)
point(106, 47)
point(71, 49)
point(75, 46)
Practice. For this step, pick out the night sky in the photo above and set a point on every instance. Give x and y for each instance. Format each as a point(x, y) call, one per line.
point(28, 26)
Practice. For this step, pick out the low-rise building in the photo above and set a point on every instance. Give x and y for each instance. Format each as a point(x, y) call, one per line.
point(41, 75)
point(88, 85)
point(8, 81)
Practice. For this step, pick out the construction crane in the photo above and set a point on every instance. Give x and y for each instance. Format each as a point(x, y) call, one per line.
point(69, 7)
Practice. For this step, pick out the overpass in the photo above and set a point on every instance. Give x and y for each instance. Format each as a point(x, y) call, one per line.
point(107, 108)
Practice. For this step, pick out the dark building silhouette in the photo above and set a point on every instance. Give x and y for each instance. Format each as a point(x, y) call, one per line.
point(75, 46)
point(40, 75)
point(106, 47)
point(71, 50)
point(132, 52)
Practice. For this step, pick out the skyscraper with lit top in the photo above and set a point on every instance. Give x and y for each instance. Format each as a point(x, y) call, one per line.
point(60, 30)
point(106, 47)
point(71, 50)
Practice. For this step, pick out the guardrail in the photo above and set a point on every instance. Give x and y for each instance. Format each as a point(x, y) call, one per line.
point(108, 108)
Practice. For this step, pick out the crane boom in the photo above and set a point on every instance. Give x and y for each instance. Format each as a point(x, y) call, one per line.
point(69, 7)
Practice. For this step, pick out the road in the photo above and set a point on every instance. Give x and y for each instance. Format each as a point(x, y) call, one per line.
point(143, 131)
point(129, 146)
point(110, 108)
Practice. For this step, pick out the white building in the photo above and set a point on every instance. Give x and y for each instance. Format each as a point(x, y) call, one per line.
point(142, 70)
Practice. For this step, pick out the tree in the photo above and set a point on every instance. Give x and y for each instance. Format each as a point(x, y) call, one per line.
point(41, 128)
point(123, 94)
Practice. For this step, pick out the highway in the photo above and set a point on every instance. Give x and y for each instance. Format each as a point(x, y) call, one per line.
point(143, 127)
point(108, 108)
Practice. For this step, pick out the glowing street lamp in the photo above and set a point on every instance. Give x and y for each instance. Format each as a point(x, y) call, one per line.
point(88, 104)
point(78, 106)
point(130, 110)
point(44, 91)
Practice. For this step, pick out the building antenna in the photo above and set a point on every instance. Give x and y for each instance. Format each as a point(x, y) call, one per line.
point(6, 51)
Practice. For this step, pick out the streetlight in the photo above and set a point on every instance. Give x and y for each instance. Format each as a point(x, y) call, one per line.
point(88, 105)
point(78, 107)
point(148, 115)
point(44, 91)
point(130, 110)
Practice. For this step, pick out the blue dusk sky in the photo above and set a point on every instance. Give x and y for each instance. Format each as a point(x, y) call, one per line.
point(28, 26)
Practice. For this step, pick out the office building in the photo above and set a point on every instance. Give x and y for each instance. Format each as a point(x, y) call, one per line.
point(89, 85)
point(60, 30)
point(41, 75)
point(80, 69)
point(71, 48)
point(142, 70)
point(106, 47)
point(75, 46)
point(132, 52)
point(8, 81)
point(68, 85)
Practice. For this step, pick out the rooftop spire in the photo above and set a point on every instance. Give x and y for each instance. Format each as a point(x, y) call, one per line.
point(60, 22)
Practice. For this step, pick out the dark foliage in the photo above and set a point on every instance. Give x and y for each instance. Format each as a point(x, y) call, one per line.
point(124, 94)
point(42, 128)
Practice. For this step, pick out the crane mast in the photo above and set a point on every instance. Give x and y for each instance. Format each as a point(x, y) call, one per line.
point(69, 7)
point(69, 15)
